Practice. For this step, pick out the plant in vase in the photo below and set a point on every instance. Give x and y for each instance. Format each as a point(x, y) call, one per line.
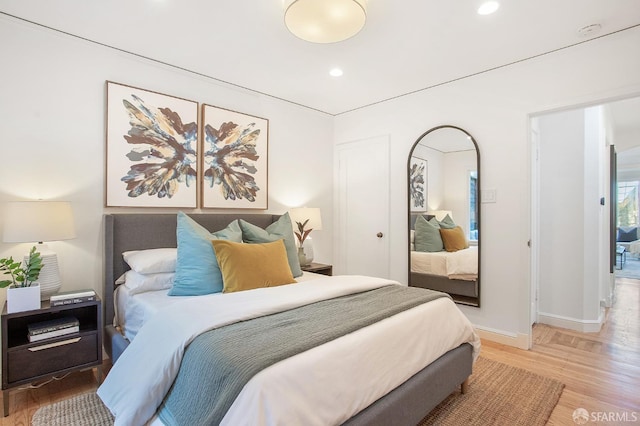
point(302, 235)
point(24, 291)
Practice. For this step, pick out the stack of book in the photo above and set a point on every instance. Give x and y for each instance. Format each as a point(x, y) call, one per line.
point(71, 297)
point(53, 328)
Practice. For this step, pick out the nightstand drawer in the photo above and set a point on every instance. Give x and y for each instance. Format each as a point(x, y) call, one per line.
point(51, 356)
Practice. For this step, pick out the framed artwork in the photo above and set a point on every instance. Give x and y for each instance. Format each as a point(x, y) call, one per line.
point(234, 159)
point(418, 184)
point(152, 149)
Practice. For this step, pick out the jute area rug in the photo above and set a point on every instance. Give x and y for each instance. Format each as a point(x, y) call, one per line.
point(498, 395)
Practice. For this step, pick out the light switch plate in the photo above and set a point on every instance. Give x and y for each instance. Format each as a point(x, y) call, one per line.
point(488, 196)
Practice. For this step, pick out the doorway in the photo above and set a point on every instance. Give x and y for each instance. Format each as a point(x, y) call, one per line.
point(570, 227)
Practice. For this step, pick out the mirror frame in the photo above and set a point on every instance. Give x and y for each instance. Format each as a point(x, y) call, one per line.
point(464, 300)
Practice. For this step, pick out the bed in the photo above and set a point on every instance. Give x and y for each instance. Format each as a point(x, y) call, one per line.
point(405, 402)
point(452, 272)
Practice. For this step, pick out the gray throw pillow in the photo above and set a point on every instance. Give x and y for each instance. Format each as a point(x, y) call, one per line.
point(428, 235)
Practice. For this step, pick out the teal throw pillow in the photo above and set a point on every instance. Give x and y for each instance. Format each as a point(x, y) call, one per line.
point(428, 235)
point(447, 222)
point(280, 229)
point(197, 269)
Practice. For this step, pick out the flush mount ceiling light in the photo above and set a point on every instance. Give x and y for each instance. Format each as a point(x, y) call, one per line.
point(488, 7)
point(325, 21)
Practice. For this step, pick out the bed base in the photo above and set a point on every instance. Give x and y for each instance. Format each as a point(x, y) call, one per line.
point(462, 291)
point(414, 399)
point(406, 405)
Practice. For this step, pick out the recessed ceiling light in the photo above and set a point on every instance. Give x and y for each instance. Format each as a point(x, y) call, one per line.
point(589, 30)
point(336, 72)
point(488, 7)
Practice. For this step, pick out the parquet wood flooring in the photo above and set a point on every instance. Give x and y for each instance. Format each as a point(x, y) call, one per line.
point(601, 370)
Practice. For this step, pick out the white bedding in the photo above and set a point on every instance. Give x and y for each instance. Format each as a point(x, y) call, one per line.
point(461, 264)
point(342, 365)
point(133, 310)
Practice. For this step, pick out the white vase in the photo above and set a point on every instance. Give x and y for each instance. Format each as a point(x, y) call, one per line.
point(307, 246)
point(21, 299)
point(301, 257)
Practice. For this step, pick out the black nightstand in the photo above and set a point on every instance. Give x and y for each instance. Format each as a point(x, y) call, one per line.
point(24, 362)
point(318, 268)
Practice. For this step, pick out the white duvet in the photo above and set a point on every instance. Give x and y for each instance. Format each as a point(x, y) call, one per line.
point(319, 383)
point(461, 264)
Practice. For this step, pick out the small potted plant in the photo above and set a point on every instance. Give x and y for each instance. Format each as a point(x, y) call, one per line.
point(302, 235)
point(23, 293)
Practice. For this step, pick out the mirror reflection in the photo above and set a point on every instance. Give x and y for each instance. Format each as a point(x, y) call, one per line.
point(444, 214)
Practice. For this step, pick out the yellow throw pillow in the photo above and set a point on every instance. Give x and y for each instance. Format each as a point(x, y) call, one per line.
point(248, 266)
point(454, 239)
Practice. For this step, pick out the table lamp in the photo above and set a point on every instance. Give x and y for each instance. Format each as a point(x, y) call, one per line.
point(307, 219)
point(40, 221)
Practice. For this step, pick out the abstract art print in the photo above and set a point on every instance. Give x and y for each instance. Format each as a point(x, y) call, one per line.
point(152, 149)
point(418, 184)
point(234, 155)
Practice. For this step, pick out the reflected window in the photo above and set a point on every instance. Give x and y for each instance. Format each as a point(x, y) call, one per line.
point(473, 205)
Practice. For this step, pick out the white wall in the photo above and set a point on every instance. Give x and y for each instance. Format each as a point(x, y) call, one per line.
point(52, 137)
point(572, 220)
point(495, 108)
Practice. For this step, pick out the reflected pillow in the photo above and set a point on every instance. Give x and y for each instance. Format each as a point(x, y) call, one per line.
point(197, 270)
point(249, 266)
point(280, 229)
point(447, 222)
point(427, 236)
point(454, 239)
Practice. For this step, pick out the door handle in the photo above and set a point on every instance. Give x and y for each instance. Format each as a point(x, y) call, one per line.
point(379, 235)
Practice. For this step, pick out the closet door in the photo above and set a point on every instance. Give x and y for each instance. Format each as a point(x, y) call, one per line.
point(362, 207)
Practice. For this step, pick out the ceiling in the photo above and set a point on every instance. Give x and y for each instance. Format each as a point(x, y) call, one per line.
point(404, 47)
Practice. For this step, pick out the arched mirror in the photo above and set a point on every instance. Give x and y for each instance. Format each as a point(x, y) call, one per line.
point(444, 213)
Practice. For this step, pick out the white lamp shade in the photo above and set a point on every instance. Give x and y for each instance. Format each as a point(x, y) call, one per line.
point(33, 221)
point(300, 214)
point(325, 21)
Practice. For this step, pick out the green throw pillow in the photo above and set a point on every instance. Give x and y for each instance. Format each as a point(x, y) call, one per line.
point(197, 270)
point(447, 222)
point(428, 235)
point(280, 229)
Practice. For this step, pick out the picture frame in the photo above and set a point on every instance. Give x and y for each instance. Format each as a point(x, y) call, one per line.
point(418, 184)
point(234, 159)
point(151, 149)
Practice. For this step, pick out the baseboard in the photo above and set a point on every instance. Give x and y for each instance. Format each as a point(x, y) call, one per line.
point(583, 326)
point(517, 340)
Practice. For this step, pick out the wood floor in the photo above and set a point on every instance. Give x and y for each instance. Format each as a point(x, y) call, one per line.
point(601, 371)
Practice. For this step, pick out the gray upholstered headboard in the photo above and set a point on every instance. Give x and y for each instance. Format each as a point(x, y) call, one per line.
point(135, 231)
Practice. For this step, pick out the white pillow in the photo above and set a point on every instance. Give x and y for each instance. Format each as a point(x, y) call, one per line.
point(152, 261)
point(140, 283)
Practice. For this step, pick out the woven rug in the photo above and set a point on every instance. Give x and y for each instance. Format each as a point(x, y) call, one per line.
point(81, 410)
point(498, 395)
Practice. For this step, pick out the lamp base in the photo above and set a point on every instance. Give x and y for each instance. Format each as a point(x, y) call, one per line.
point(49, 278)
